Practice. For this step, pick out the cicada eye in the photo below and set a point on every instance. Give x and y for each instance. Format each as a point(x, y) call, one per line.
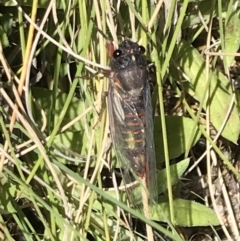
point(117, 53)
point(141, 49)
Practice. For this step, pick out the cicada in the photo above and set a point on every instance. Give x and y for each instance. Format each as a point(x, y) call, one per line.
point(131, 121)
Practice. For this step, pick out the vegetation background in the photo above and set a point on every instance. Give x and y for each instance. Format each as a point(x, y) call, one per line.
point(59, 176)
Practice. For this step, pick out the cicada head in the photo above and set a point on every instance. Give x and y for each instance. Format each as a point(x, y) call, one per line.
point(128, 55)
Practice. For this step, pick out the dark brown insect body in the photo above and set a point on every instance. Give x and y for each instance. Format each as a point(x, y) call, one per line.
point(131, 122)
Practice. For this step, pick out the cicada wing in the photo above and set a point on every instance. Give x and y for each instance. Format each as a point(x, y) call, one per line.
point(150, 147)
point(117, 127)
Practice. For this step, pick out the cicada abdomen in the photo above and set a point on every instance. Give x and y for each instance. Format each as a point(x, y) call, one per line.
point(131, 121)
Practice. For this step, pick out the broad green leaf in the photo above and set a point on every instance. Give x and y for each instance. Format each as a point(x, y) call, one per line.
point(232, 33)
point(64, 69)
point(7, 199)
point(186, 213)
point(176, 172)
point(193, 18)
point(4, 38)
point(179, 135)
point(43, 97)
point(75, 144)
point(6, 22)
point(194, 67)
